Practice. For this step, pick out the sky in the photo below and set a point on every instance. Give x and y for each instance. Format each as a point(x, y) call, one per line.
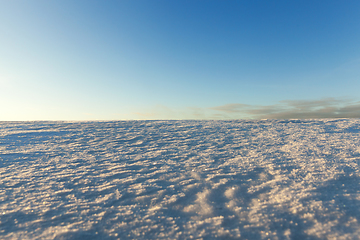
point(160, 59)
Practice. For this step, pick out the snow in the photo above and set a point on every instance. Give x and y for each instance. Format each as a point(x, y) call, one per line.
point(263, 179)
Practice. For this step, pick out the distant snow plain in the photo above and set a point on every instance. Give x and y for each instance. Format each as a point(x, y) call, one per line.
point(263, 179)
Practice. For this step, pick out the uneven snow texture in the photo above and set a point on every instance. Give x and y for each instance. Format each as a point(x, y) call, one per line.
point(268, 179)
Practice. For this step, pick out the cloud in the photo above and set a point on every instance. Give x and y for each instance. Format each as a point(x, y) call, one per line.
point(288, 109)
point(231, 108)
point(291, 109)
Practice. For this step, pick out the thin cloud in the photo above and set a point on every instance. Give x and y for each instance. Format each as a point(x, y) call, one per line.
point(231, 108)
point(291, 109)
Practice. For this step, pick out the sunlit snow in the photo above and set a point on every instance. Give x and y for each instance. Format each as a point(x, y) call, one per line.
point(268, 179)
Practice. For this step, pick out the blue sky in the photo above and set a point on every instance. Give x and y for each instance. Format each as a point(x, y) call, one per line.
point(115, 60)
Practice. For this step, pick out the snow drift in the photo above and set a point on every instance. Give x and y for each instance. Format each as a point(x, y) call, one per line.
point(268, 179)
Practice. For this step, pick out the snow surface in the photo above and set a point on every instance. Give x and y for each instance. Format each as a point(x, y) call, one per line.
point(268, 179)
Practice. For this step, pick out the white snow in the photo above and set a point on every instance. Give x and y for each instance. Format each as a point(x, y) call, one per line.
point(266, 179)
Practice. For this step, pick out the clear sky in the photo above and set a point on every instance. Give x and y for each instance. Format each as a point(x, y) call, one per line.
point(196, 59)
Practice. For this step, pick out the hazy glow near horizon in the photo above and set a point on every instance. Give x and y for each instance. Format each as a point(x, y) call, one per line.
point(92, 60)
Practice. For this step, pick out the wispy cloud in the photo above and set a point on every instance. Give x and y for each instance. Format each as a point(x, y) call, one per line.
point(323, 108)
point(288, 109)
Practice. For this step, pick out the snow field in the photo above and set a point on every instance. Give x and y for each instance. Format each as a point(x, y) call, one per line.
point(266, 179)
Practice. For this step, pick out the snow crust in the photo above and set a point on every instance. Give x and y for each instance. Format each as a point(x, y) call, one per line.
point(266, 179)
